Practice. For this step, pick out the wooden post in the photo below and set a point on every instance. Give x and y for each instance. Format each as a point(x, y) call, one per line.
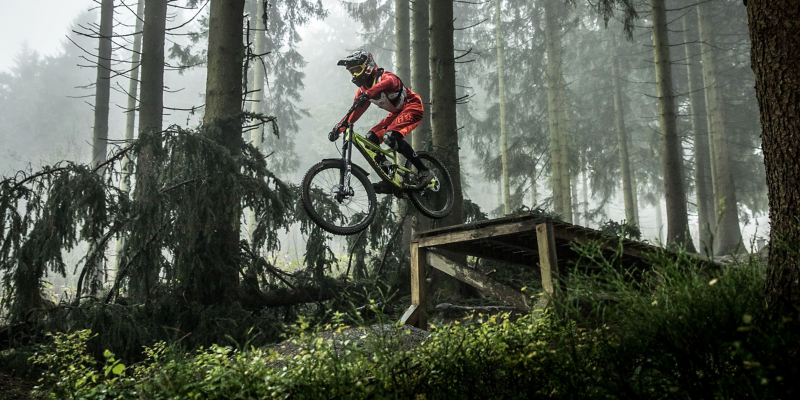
point(416, 315)
point(548, 263)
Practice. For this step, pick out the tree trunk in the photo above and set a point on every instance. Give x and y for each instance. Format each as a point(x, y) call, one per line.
point(728, 231)
point(622, 140)
point(557, 113)
point(217, 278)
point(402, 36)
point(151, 101)
point(420, 68)
point(443, 99)
point(443, 116)
point(103, 84)
point(534, 194)
point(151, 111)
point(133, 93)
point(702, 167)
point(677, 219)
point(130, 117)
point(421, 81)
point(775, 55)
point(659, 222)
point(402, 53)
point(503, 120)
point(553, 42)
point(566, 175)
point(585, 183)
point(257, 101)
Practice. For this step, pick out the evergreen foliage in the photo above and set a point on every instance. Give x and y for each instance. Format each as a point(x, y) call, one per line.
point(53, 210)
point(678, 332)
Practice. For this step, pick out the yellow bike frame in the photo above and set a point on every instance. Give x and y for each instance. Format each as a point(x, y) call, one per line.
point(369, 150)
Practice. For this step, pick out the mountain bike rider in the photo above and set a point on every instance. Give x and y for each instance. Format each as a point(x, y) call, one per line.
point(387, 91)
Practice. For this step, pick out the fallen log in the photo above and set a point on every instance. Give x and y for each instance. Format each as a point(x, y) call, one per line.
point(287, 297)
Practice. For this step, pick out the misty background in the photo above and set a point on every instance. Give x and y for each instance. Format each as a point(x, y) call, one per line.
point(47, 110)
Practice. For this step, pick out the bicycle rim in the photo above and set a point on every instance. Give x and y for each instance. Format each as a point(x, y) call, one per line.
point(336, 211)
point(435, 202)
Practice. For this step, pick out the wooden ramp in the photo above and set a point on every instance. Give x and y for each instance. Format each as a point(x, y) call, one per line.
point(530, 240)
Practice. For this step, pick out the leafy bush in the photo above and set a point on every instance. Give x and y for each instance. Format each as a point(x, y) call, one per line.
point(679, 331)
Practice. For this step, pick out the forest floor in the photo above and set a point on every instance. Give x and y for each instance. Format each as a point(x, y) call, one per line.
point(12, 388)
point(411, 340)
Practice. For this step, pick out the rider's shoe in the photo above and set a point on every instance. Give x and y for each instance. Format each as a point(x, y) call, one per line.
point(424, 179)
point(383, 187)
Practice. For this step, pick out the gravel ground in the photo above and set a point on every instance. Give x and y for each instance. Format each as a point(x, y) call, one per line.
point(358, 335)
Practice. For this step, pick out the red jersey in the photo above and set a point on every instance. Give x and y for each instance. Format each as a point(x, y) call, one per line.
point(387, 92)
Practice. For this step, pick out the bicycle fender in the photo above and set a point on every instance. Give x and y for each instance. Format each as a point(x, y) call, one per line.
point(354, 166)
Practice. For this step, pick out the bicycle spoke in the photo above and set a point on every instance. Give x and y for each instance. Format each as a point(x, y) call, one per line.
point(349, 210)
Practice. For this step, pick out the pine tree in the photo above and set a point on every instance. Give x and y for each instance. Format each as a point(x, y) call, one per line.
point(103, 84)
point(130, 116)
point(420, 68)
point(151, 110)
point(256, 105)
point(677, 218)
point(702, 168)
point(443, 99)
point(502, 97)
point(728, 231)
point(214, 279)
point(556, 95)
point(775, 54)
point(628, 183)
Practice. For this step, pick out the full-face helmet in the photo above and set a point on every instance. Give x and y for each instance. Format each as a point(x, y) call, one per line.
point(360, 65)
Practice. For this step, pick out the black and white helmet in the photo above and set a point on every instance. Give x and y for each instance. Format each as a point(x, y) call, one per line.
point(360, 64)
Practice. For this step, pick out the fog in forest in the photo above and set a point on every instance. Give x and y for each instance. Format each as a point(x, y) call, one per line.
point(47, 97)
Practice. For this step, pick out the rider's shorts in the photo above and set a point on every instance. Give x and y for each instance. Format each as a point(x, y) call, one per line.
point(405, 121)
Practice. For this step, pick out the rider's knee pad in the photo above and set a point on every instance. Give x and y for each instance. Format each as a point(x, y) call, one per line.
point(393, 139)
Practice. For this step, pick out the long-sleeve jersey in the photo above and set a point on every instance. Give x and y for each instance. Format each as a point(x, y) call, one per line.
point(387, 92)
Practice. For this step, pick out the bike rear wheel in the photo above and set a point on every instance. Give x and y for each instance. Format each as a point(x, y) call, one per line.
point(341, 212)
point(437, 201)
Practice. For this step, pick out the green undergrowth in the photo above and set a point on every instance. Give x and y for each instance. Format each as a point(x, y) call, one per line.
point(678, 331)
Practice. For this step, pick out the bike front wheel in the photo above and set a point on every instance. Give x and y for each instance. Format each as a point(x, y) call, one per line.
point(339, 209)
point(436, 201)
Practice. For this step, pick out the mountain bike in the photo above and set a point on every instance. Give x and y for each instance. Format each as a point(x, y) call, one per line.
point(338, 196)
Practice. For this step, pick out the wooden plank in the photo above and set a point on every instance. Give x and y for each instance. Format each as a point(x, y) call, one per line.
point(475, 234)
point(419, 284)
point(513, 247)
point(548, 261)
point(478, 280)
point(411, 316)
point(479, 224)
point(586, 236)
point(488, 253)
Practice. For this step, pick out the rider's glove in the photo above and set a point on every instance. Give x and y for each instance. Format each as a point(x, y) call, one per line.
point(333, 135)
point(363, 98)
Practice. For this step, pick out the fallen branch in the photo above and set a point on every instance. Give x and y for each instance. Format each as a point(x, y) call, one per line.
point(453, 307)
point(287, 297)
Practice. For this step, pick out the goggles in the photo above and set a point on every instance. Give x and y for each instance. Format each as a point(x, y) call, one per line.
point(357, 70)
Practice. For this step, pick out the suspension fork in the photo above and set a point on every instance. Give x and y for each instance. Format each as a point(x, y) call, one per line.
point(347, 156)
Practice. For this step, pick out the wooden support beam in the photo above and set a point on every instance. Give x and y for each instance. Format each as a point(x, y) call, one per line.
point(512, 247)
point(418, 316)
point(477, 279)
point(548, 263)
point(585, 236)
point(411, 316)
point(480, 233)
point(488, 252)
